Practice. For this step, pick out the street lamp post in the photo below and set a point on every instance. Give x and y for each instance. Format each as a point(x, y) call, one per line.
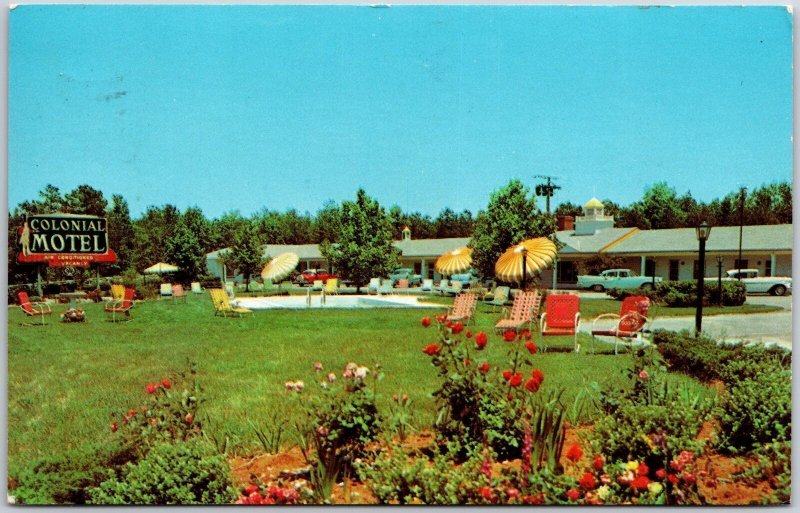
point(703, 231)
point(719, 280)
point(524, 267)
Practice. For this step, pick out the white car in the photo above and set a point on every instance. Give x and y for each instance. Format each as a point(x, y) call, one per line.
point(775, 285)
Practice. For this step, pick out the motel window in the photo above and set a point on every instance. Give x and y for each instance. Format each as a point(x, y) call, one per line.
point(736, 262)
point(567, 272)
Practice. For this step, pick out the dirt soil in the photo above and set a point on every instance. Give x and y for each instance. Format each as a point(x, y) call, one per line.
point(715, 471)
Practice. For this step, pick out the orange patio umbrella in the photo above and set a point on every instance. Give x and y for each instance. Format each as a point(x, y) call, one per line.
point(454, 261)
point(538, 254)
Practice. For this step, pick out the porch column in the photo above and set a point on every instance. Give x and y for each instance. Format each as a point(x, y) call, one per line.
point(424, 268)
point(555, 274)
point(773, 261)
point(642, 266)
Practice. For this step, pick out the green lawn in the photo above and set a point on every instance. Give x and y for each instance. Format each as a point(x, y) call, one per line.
point(65, 380)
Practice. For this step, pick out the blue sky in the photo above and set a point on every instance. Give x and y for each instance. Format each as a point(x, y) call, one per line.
point(282, 107)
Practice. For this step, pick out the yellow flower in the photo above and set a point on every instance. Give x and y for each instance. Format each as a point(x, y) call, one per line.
point(654, 488)
point(603, 492)
point(632, 465)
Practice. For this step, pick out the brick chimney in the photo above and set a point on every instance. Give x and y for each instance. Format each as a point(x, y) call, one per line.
point(565, 223)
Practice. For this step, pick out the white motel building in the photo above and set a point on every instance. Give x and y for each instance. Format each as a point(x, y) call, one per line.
point(672, 253)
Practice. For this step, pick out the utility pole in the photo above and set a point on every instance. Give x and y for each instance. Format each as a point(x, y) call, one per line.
point(742, 193)
point(546, 189)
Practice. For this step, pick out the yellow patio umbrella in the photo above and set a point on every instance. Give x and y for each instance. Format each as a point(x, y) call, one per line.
point(538, 253)
point(280, 267)
point(454, 261)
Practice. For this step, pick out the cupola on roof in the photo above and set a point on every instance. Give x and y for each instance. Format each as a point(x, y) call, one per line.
point(594, 203)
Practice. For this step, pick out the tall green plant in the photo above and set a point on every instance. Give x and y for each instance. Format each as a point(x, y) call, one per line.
point(364, 243)
point(511, 216)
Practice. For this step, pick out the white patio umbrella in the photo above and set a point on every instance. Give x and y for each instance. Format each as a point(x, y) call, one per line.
point(280, 266)
point(161, 268)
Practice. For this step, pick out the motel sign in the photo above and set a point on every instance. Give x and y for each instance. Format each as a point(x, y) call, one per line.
point(64, 240)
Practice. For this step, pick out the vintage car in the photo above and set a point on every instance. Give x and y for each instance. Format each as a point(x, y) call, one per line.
point(616, 279)
point(308, 276)
point(775, 285)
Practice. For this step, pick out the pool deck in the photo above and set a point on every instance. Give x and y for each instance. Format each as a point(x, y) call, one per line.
point(334, 302)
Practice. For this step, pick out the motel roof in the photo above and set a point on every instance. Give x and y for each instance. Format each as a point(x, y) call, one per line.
point(609, 240)
point(775, 237)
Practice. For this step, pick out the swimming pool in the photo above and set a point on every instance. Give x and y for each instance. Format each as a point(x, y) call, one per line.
point(357, 301)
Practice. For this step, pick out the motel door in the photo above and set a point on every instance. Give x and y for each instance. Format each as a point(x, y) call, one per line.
point(674, 269)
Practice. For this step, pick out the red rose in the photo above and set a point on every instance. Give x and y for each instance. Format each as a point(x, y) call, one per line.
point(114, 426)
point(516, 379)
point(661, 473)
point(573, 495)
point(480, 340)
point(509, 336)
point(537, 375)
point(441, 318)
point(532, 349)
point(165, 383)
point(449, 324)
point(643, 469)
point(533, 499)
point(432, 350)
point(672, 478)
point(574, 453)
point(588, 482)
point(598, 463)
point(251, 489)
point(689, 478)
point(485, 492)
point(506, 374)
point(457, 328)
point(512, 492)
point(426, 321)
point(151, 388)
point(532, 385)
point(484, 368)
point(640, 483)
point(468, 334)
point(526, 334)
point(189, 418)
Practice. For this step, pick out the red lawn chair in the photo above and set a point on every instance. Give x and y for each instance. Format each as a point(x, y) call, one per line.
point(630, 322)
point(121, 307)
point(33, 309)
point(562, 316)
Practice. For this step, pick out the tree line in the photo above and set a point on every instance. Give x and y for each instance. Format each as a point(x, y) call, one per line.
point(661, 207)
point(362, 229)
point(164, 233)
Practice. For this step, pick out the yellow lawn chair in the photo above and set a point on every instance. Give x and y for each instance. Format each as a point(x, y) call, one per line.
point(117, 292)
point(332, 286)
point(223, 307)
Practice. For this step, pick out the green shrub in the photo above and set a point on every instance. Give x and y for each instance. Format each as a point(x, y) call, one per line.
point(774, 464)
point(183, 473)
point(758, 410)
point(707, 359)
point(649, 420)
point(684, 293)
point(397, 478)
point(66, 477)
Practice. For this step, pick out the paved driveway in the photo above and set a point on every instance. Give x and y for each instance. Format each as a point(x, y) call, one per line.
point(766, 328)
